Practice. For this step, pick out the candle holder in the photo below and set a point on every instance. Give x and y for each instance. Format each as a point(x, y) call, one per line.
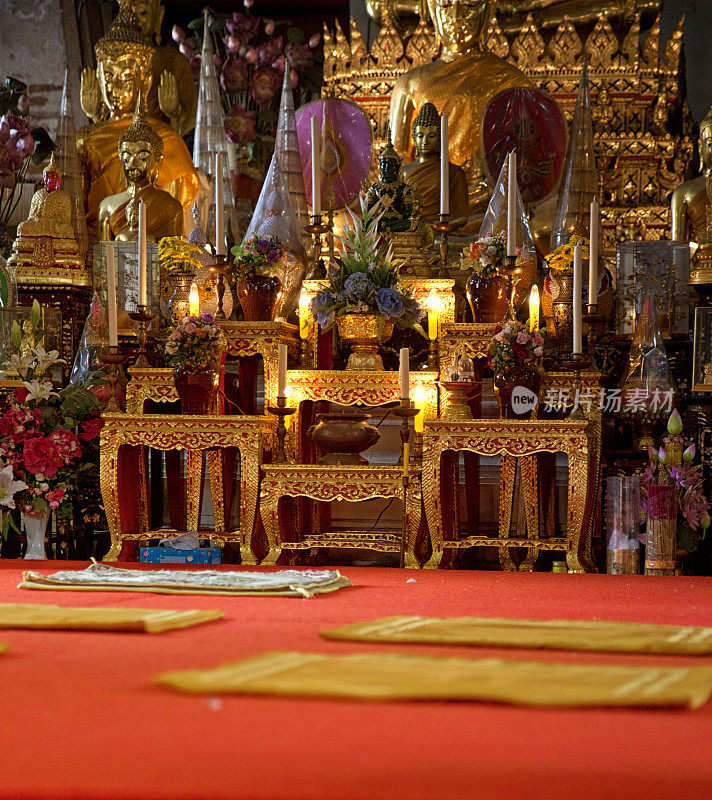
point(316, 228)
point(512, 272)
point(113, 358)
point(406, 411)
point(596, 323)
point(143, 316)
point(576, 363)
point(281, 411)
point(220, 268)
point(433, 355)
point(443, 227)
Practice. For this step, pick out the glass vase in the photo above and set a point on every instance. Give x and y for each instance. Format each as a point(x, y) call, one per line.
point(623, 525)
point(661, 529)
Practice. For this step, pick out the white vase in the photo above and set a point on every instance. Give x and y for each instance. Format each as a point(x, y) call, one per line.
point(35, 529)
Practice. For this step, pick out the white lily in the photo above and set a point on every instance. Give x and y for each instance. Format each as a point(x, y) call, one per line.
point(45, 360)
point(39, 391)
point(20, 364)
point(9, 487)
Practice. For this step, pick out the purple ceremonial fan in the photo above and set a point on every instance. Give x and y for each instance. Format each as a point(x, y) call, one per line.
point(346, 149)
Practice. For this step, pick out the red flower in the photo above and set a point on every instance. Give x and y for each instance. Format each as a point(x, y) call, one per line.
point(240, 125)
point(91, 429)
point(265, 84)
point(40, 455)
point(20, 394)
point(233, 77)
point(497, 329)
point(519, 351)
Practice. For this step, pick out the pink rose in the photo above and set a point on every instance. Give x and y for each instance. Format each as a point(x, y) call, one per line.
point(522, 337)
point(191, 328)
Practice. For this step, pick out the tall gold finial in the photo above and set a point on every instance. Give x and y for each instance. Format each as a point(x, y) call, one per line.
point(124, 37)
point(140, 131)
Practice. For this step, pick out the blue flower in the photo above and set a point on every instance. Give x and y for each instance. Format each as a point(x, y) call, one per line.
point(390, 303)
point(325, 318)
point(358, 286)
point(323, 298)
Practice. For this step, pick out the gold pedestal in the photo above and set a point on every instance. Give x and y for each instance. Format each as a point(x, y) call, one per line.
point(457, 406)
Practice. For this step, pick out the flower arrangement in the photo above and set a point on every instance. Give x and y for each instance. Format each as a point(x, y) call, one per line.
point(563, 257)
point(251, 55)
point(513, 345)
point(179, 257)
point(485, 256)
point(195, 343)
point(672, 464)
point(365, 280)
point(20, 144)
point(43, 432)
point(256, 255)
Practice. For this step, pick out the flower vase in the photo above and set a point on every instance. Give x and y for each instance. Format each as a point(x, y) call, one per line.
point(35, 528)
point(179, 304)
point(258, 295)
point(487, 298)
point(661, 530)
point(364, 332)
point(197, 389)
point(517, 391)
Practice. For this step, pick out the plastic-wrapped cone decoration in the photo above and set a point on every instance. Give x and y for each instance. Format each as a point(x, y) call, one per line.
point(203, 279)
point(210, 137)
point(95, 339)
point(648, 375)
point(579, 184)
point(345, 150)
point(287, 149)
point(67, 160)
point(274, 216)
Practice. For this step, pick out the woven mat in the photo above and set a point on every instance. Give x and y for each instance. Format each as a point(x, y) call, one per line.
point(142, 620)
point(103, 578)
point(400, 677)
point(601, 636)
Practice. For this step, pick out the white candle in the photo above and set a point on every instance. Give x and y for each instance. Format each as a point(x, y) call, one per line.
point(220, 245)
point(142, 268)
point(578, 300)
point(315, 167)
point(282, 370)
point(444, 167)
point(111, 294)
point(593, 255)
point(512, 204)
point(404, 372)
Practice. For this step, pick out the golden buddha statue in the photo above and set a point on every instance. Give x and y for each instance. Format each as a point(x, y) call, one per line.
point(141, 153)
point(460, 84)
point(424, 173)
point(46, 248)
point(172, 97)
point(689, 200)
point(124, 57)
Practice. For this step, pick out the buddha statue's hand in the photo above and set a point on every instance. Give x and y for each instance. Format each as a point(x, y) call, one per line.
point(168, 99)
point(91, 95)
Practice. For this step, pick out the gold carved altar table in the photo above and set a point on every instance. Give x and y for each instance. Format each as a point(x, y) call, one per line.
point(512, 438)
point(337, 482)
point(195, 434)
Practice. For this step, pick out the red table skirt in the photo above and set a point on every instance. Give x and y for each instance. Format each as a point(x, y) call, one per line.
point(81, 718)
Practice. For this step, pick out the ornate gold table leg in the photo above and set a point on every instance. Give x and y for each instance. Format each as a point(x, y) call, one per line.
point(576, 525)
point(431, 502)
point(413, 510)
point(217, 492)
point(529, 472)
point(194, 485)
point(249, 497)
point(508, 473)
point(269, 509)
point(109, 484)
point(144, 522)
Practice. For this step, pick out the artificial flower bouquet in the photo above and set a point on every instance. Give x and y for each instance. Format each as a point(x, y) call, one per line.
point(563, 257)
point(44, 431)
point(514, 345)
point(257, 255)
point(179, 257)
point(196, 342)
point(673, 464)
point(365, 280)
point(485, 256)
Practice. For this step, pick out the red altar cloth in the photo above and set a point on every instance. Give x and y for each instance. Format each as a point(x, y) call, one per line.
point(82, 719)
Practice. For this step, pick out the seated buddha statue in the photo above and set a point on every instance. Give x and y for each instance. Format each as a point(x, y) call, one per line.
point(46, 248)
point(689, 199)
point(424, 173)
point(124, 57)
point(140, 153)
point(172, 98)
point(460, 83)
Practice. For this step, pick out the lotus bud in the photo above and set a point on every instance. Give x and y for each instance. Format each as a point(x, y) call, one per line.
point(674, 425)
point(652, 453)
point(689, 453)
point(314, 40)
point(251, 56)
point(663, 456)
point(248, 3)
point(178, 34)
point(23, 104)
point(705, 521)
point(269, 27)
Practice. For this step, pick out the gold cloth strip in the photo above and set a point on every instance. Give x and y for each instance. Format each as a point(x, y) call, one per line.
point(558, 634)
point(391, 676)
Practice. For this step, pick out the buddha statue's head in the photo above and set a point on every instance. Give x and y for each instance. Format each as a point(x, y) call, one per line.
point(426, 132)
point(140, 150)
point(149, 14)
point(51, 175)
point(389, 162)
point(706, 142)
point(124, 57)
point(459, 24)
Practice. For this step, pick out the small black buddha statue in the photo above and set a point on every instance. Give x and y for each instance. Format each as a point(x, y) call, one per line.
point(400, 203)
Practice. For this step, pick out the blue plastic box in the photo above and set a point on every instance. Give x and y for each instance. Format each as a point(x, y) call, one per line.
point(170, 555)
